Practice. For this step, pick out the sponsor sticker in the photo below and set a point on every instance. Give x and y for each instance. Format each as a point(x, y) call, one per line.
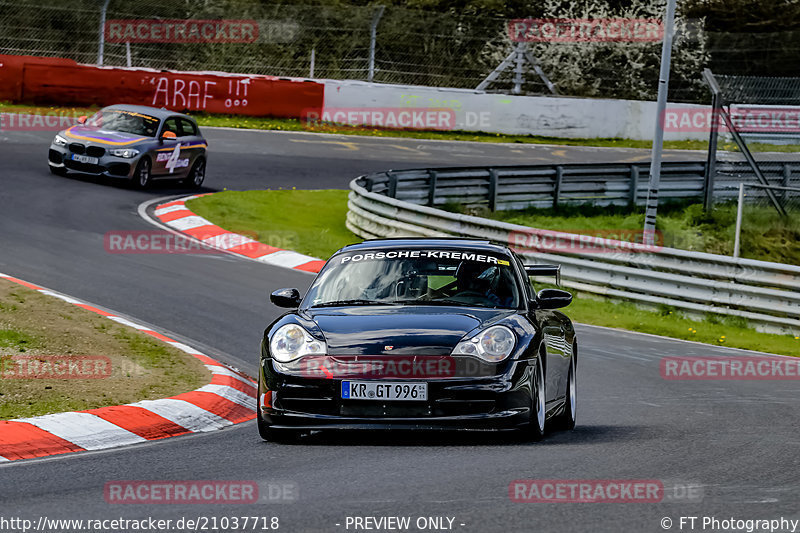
point(428, 254)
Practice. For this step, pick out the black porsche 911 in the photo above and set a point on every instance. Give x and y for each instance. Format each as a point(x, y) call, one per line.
point(419, 334)
point(134, 143)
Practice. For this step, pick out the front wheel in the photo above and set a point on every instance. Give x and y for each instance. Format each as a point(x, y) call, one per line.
point(535, 429)
point(142, 175)
point(197, 175)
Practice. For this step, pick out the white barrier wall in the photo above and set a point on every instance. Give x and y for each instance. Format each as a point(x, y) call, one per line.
point(526, 115)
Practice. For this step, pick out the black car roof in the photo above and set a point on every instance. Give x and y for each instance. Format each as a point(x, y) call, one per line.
point(159, 113)
point(408, 242)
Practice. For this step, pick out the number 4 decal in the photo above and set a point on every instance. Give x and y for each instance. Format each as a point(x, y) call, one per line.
point(172, 162)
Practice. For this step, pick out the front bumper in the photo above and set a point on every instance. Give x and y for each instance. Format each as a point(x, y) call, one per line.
point(107, 165)
point(501, 401)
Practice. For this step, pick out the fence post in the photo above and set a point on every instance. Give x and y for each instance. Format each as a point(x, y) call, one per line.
point(431, 187)
point(737, 238)
point(102, 42)
point(634, 185)
point(373, 29)
point(492, 189)
point(557, 185)
point(392, 185)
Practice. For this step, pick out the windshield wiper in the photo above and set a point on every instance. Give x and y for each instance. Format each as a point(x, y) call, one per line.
point(352, 302)
point(435, 302)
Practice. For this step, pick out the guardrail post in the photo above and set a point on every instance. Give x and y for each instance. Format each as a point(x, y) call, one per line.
point(392, 185)
point(492, 189)
point(557, 185)
point(634, 185)
point(431, 187)
point(787, 176)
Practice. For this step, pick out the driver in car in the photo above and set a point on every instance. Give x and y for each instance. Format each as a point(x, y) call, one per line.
point(474, 279)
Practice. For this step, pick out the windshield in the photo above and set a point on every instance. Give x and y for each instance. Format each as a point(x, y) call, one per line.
point(416, 277)
point(124, 121)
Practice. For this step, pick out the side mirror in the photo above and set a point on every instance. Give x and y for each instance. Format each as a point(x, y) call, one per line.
point(553, 298)
point(168, 135)
point(82, 119)
point(289, 298)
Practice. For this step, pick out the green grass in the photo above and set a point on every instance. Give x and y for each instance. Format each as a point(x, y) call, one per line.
point(765, 235)
point(288, 124)
point(283, 124)
point(312, 222)
point(719, 330)
point(309, 222)
point(16, 340)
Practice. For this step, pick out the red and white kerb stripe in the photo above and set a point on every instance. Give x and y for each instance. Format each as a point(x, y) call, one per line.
point(175, 215)
point(229, 399)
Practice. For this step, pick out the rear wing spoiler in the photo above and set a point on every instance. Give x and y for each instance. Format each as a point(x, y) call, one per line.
point(544, 270)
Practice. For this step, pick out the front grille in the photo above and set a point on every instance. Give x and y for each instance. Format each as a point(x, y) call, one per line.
point(77, 148)
point(96, 151)
point(55, 157)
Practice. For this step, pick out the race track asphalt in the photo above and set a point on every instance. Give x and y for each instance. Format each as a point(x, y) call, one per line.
point(738, 440)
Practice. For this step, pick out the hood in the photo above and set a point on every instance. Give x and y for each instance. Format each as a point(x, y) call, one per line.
point(84, 134)
point(407, 330)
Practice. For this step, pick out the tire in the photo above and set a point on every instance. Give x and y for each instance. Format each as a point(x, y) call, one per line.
point(197, 175)
point(142, 176)
point(566, 420)
point(536, 426)
point(58, 171)
point(269, 433)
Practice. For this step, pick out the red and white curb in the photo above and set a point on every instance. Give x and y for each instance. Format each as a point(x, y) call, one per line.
point(175, 215)
point(229, 399)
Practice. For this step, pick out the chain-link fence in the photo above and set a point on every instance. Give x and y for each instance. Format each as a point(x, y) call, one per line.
point(411, 46)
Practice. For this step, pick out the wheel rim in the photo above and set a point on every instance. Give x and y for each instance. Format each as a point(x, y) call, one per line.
point(144, 173)
point(540, 396)
point(199, 173)
point(573, 393)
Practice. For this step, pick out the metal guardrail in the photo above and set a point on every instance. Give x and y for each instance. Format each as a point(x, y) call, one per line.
point(766, 294)
point(517, 187)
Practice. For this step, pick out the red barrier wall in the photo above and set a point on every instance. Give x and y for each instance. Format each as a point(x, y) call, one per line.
point(55, 81)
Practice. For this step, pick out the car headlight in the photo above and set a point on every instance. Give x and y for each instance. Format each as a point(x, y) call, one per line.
point(492, 344)
point(292, 341)
point(127, 153)
point(60, 141)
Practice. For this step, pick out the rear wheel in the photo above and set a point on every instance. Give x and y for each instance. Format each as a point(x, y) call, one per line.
point(535, 429)
point(142, 176)
point(197, 175)
point(566, 420)
point(58, 171)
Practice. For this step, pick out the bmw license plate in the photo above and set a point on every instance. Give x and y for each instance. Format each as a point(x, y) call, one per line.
point(84, 159)
point(385, 390)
